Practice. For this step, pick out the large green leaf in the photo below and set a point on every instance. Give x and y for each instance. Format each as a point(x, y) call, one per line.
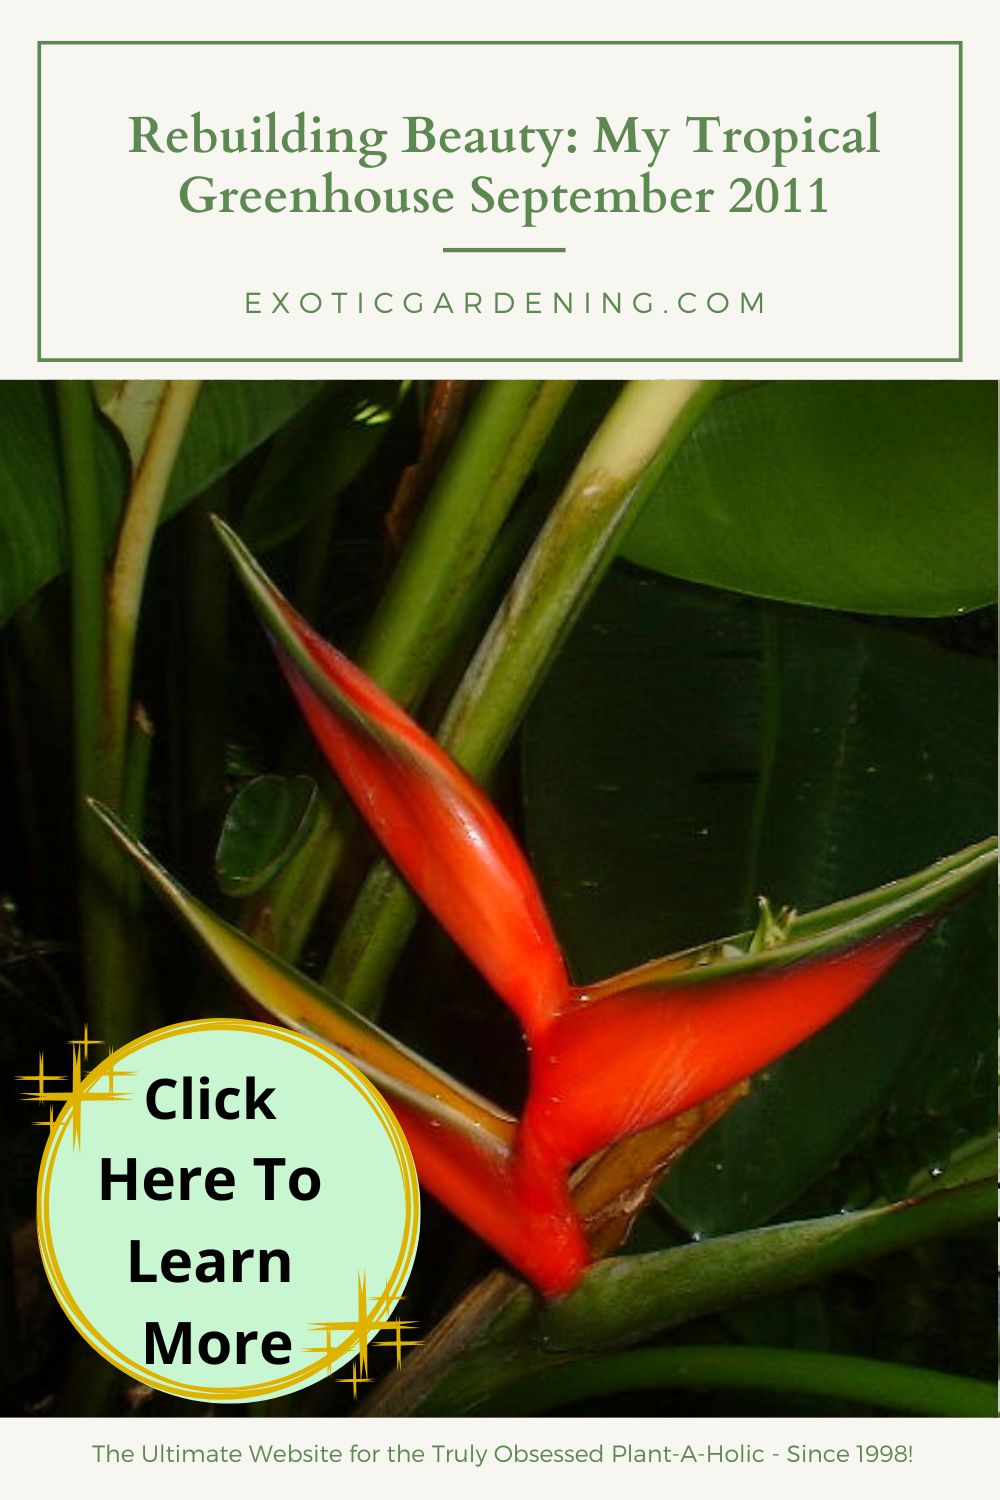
point(318, 455)
point(691, 751)
point(877, 496)
point(32, 536)
point(231, 418)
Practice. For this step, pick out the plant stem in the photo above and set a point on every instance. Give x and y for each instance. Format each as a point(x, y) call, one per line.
point(135, 780)
point(423, 607)
point(128, 575)
point(413, 626)
point(137, 756)
point(280, 918)
point(371, 940)
point(619, 469)
point(628, 1300)
point(23, 766)
point(123, 1003)
point(203, 595)
point(873, 1382)
point(86, 551)
point(618, 472)
point(103, 652)
point(487, 590)
point(664, 1289)
point(770, 729)
point(608, 1193)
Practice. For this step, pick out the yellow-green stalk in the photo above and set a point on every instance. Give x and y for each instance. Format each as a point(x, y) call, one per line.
point(616, 474)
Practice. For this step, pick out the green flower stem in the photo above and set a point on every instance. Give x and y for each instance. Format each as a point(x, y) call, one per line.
point(143, 509)
point(86, 570)
point(121, 1002)
point(873, 1382)
point(281, 916)
point(770, 729)
point(21, 672)
point(622, 1302)
point(489, 587)
point(103, 648)
point(200, 749)
point(417, 615)
point(476, 1355)
point(371, 940)
point(422, 610)
point(618, 471)
point(136, 778)
point(86, 551)
point(140, 1011)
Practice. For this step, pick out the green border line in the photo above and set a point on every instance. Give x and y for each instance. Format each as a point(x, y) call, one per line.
point(38, 208)
point(503, 249)
point(499, 42)
point(617, 360)
point(961, 228)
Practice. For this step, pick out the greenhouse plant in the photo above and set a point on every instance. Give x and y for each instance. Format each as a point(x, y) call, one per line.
point(608, 771)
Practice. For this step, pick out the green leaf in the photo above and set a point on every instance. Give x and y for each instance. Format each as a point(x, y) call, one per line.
point(231, 418)
point(872, 1382)
point(317, 456)
point(32, 525)
point(690, 752)
point(876, 496)
point(268, 820)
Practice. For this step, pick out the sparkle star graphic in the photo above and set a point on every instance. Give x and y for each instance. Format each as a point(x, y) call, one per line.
point(354, 1379)
point(81, 1090)
point(361, 1330)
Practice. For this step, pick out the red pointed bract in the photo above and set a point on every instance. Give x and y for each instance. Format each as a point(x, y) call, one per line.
point(611, 1067)
point(439, 829)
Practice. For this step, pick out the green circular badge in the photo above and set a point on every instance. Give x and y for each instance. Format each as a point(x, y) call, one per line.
point(228, 1211)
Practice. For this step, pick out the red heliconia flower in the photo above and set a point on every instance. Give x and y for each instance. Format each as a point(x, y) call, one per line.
point(606, 1060)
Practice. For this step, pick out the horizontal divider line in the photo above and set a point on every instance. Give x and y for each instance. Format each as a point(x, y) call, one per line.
point(503, 249)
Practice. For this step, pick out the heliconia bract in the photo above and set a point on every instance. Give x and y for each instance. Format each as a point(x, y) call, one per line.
point(607, 1060)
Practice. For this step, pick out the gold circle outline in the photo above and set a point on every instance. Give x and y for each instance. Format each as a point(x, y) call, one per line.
point(387, 1299)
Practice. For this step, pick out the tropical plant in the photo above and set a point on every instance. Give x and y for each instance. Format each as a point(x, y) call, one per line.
point(779, 686)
